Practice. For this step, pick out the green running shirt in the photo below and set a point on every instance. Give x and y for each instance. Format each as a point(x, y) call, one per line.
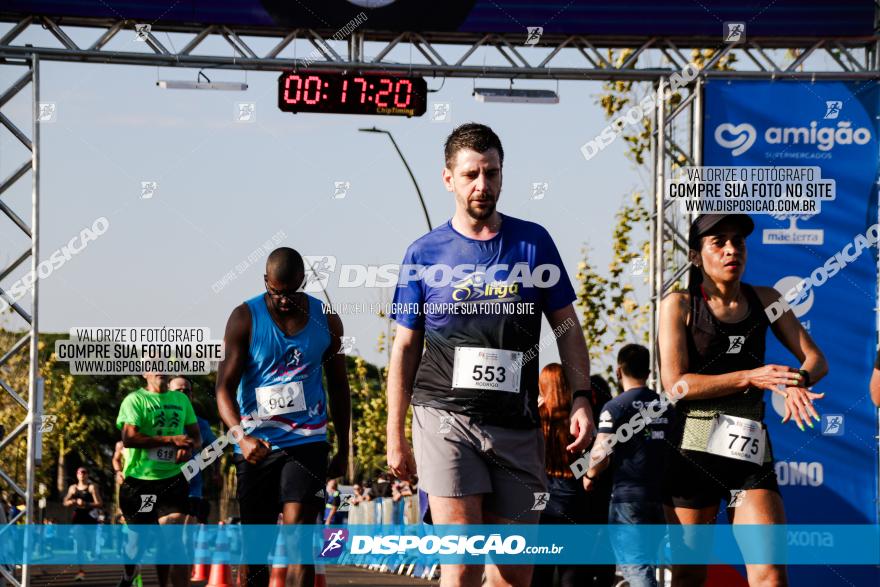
point(154, 414)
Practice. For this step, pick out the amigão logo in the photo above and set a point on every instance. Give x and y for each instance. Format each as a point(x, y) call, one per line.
point(740, 138)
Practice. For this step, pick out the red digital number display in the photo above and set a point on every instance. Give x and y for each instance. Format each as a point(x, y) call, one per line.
point(338, 93)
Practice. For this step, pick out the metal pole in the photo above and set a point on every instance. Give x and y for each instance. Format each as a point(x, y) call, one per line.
point(413, 178)
point(652, 264)
point(34, 362)
point(698, 122)
point(408, 170)
point(697, 126)
point(660, 214)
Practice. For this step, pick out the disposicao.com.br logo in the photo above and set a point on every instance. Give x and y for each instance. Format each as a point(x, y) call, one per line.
point(475, 545)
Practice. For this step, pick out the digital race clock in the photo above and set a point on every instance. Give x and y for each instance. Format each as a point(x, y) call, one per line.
point(352, 93)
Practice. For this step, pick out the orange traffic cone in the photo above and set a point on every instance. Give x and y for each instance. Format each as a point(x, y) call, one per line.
point(278, 576)
point(202, 557)
point(221, 571)
point(320, 576)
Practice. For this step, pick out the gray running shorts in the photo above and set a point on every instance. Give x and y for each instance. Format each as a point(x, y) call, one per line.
point(456, 457)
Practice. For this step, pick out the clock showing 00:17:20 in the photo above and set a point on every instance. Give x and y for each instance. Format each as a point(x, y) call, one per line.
point(352, 93)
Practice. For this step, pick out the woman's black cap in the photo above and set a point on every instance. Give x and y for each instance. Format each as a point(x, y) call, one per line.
point(705, 222)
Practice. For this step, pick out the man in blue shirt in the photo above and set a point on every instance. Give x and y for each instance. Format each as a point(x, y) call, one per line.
point(472, 294)
point(639, 423)
point(199, 507)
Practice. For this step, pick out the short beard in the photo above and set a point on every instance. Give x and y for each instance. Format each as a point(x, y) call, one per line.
point(478, 215)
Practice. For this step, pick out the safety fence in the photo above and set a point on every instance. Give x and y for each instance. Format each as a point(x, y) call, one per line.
point(387, 512)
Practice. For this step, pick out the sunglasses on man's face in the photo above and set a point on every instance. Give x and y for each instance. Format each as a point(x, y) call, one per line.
point(280, 295)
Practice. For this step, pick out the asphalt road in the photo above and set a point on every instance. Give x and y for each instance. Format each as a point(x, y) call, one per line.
point(108, 576)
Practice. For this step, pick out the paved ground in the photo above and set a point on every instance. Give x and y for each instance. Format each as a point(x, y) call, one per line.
point(108, 576)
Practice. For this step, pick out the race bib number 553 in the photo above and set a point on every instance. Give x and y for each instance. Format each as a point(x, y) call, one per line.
point(489, 369)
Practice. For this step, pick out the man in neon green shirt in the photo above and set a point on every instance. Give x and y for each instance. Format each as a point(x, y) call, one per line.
point(159, 432)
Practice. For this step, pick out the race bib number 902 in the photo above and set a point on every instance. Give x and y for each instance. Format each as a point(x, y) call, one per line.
point(489, 369)
point(284, 398)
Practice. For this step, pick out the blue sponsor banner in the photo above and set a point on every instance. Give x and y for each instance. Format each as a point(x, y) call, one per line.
point(815, 18)
point(477, 544)
point(827, 474)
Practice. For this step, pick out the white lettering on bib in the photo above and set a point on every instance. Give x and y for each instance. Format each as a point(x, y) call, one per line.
point(284, 398)
point(490, 369)
point(737, 438)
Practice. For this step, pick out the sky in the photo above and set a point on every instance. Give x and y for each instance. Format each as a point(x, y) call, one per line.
point(223, 188)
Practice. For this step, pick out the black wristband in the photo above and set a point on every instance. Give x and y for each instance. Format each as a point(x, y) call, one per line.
point(587, 393)
point(805, 376)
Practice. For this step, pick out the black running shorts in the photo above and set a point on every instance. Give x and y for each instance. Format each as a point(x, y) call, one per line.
point(144, 501)
point(698, 479)
point(294, 474)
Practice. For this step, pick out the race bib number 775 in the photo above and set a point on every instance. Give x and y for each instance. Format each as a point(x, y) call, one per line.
point(738, 438)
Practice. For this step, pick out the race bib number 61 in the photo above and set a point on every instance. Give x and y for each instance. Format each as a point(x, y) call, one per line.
point(163, 454)
point(489, 369)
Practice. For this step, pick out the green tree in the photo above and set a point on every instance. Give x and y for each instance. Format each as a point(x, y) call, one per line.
point(611, 314)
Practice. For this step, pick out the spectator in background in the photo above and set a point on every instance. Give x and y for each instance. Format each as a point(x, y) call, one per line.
point(5, 507)
point(568, 502)
point(332, 501)
point(118, 463)
point(49, 536)
point(637, 464)
point(383, 485)
point(83, 497)
point(400, 489)
point(357, 494)
point(199, 507)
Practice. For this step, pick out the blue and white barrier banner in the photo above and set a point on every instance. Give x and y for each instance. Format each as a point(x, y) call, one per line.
point(376, 544)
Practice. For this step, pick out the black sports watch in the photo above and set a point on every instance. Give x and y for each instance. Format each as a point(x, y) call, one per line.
point(805, 376)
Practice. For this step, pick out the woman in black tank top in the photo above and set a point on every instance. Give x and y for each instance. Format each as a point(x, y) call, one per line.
point(711, 341)
point(84, 497)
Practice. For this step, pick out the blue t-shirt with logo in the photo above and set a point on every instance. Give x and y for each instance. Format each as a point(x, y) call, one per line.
point(486, 294)
point(638, 460)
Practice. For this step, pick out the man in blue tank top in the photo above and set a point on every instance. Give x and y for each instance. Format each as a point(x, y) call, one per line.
point(472, 294)
point(278, 344)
